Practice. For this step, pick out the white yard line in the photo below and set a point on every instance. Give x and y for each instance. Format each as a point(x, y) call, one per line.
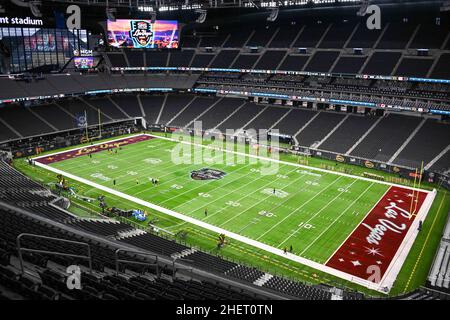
point(343, 212)
point(89, 145)
point(292, 164)
point(201, 186)
point(319, 211)
point(348, 236)
point(165, 168)
point(303, 204)
point(247, 155)
point(218, 230)
point(389, 276)
point(223, 195)
point(258, 202)
point(81, 167)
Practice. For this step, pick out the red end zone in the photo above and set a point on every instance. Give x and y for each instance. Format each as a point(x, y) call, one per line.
point(91, 149)
point(377, 238)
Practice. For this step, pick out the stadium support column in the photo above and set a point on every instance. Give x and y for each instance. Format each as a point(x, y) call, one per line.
point(143, 122)
point(99, 124)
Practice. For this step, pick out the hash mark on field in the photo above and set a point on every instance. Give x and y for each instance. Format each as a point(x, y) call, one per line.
point(304, 203)
point(257, 203)
point(245, 196)
point(337, 219)
point(219, 187)
point(276, 205)
point(323, 208)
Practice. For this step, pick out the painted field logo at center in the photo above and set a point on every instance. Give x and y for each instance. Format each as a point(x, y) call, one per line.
point(207, 174)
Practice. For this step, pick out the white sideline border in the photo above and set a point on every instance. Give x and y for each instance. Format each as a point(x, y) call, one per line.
point(403, 250)
point(241, 154)
point(292, 164)
point(389, 276)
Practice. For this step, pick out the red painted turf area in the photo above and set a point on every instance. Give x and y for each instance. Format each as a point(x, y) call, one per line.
point(378, 237)
point(92, 149)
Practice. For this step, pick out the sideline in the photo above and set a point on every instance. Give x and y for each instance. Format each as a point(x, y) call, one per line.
point(388, 280)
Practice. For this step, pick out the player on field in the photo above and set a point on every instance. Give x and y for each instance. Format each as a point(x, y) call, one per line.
point(206, 212)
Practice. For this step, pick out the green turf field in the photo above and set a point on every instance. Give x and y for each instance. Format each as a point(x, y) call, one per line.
point(310, 210)
point(314, 212)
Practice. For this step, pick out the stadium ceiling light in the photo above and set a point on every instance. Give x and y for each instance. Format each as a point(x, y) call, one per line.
point(252, 4)
point(146, 8)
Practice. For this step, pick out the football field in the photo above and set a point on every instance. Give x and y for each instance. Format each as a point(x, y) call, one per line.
point(333, 222)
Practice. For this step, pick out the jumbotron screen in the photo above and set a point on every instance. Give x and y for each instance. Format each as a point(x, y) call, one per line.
point(83, 62)
point(138, 33)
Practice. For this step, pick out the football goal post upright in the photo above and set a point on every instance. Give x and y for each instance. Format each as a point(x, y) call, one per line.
point(86, 126)
point(413, 190)
point(420, 180)
point(99, 123)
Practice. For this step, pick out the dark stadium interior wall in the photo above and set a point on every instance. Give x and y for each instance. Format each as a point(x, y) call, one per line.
point(235, 18)
point(425, 11)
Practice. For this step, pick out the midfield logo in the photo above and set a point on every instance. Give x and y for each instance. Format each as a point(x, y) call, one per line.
point(207, 174)
point(141, 32)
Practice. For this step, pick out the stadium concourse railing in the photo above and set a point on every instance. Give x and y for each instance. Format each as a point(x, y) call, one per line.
point(90, 239)
point(387, 106)
point(152, 230)
point(165, 79)
point(161, 233)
